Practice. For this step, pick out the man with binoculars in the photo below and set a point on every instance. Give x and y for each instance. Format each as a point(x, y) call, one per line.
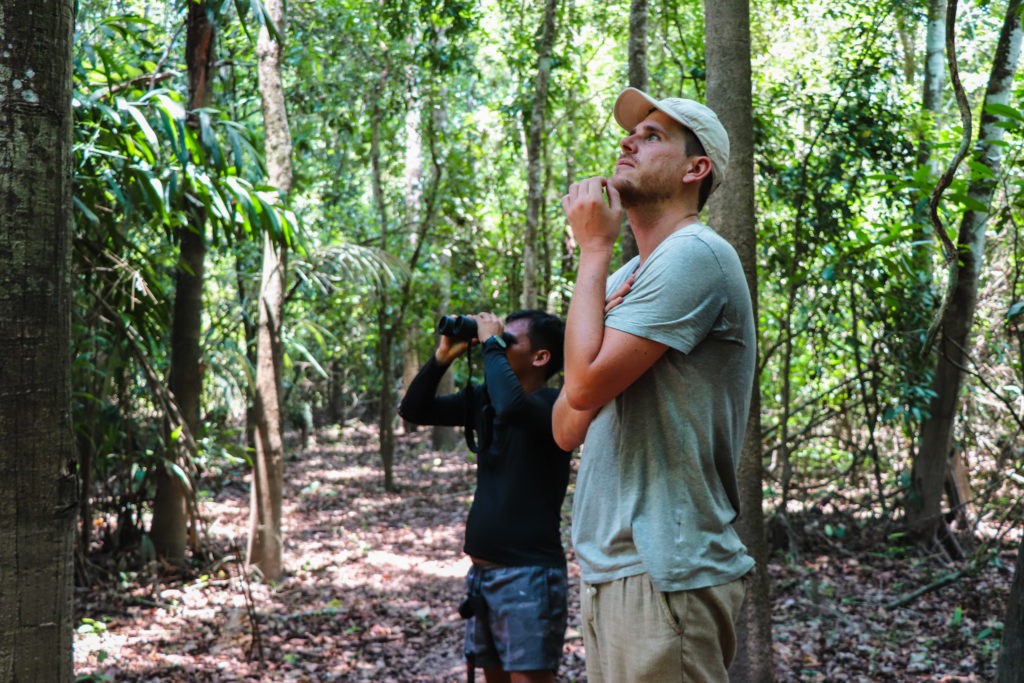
point(517, 586)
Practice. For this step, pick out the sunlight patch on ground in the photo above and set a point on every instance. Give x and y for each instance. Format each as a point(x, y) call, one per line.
point(445, 569)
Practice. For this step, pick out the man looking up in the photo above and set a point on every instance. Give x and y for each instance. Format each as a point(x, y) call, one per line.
point(659, 386)
point(518, 583)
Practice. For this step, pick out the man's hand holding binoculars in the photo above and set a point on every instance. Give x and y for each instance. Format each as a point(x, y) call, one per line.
point(458, 331)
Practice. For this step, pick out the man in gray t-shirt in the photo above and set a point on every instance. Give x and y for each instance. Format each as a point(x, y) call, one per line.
point(660, 360)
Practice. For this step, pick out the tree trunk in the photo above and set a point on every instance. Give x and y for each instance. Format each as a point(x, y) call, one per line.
point(38, 492)
point(266, 541)
point(413, 209)
point(534, 157)
point(170, 508)
point(1011, 651)
point(924, 515)
point(386, 409)
point(922, 240)
point(168, 529)
point(931, 105)
point(410, 367)
point(637, 56)
point(934, 65)
point(445, 438)
point(731, 213)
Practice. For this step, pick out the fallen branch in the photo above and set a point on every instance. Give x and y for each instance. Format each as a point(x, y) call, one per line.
point(933, 586)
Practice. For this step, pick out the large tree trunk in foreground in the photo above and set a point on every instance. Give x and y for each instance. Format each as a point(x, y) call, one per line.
point(731, 213)
point(38, 496)
point(266, 541)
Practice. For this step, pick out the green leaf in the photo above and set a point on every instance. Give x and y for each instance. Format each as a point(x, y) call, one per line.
point(181, 475)
point(141, 122)
point(998, 109)
point(89, 215)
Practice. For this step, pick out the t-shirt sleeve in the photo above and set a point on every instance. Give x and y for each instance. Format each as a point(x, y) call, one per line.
point(677, 297)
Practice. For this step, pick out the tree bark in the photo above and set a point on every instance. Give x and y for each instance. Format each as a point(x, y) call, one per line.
point(1011, 651)
point(413, 209)
point(731, 213)
point(535, 134)
point(931, 105)
point(386, 410)
point(266, 540)
point(924, 515)
point(637, 56)
point(445, 438)
point(168, 530)
point(38, 492)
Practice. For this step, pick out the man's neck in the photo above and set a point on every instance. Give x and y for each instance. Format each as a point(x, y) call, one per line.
point(652, 226)
point(531, 384)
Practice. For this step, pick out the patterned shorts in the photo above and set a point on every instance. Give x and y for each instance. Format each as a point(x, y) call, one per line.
point(516, 617)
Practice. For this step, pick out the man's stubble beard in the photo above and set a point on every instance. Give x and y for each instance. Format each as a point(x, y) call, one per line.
point(631, 194)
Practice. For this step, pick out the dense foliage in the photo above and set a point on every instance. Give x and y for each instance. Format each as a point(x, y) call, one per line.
point(410, 120)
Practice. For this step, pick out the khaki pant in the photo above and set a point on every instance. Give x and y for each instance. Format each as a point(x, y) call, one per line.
point(633, 633)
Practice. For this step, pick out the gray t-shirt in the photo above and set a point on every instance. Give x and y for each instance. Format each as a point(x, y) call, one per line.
point(656, 490)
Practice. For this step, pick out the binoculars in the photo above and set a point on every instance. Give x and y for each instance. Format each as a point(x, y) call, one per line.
point(460, 327)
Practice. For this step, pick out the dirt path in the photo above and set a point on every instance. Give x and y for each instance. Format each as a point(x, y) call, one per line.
point(374, 579)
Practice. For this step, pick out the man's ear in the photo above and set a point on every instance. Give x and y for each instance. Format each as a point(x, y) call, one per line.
point(699, 168)
point(541, 357)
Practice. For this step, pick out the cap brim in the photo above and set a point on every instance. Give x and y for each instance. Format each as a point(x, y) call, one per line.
point(632, 107)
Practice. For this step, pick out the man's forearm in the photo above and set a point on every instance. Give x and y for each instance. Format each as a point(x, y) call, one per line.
point(584, 328)
point(568, 425)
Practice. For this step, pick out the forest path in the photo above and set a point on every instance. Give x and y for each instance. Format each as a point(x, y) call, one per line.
point(374, 579)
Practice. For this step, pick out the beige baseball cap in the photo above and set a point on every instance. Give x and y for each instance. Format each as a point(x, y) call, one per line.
point(633, 106)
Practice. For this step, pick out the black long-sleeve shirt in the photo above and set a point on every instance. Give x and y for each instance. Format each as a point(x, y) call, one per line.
point(522, 474)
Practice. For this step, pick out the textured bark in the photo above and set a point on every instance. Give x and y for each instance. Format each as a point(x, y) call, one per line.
point(924, 514)
point(731, 213)
point(38, 493)
point(266, 540)
point(535, 134)
point(1011, 652)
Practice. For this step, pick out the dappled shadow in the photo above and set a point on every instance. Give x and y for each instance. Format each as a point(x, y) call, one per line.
point(373, 581)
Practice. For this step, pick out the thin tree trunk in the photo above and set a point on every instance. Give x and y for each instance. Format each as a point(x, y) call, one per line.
point(534, 157)
point(445, 438)
point(931, 104)
point(266, 541)
point(731, 213)
point(38, 492)
point(386, 409)
point(924, 515)
point(637, 56)
point(413, 208)
point(168, 530)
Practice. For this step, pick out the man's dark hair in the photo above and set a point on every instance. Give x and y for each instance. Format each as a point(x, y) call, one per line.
point(546, 331)
point(693, 147)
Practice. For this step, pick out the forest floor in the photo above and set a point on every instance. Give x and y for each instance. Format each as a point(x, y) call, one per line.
point(373, 580)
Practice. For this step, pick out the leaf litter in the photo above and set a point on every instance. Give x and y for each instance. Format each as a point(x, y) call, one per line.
point(373, 581)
